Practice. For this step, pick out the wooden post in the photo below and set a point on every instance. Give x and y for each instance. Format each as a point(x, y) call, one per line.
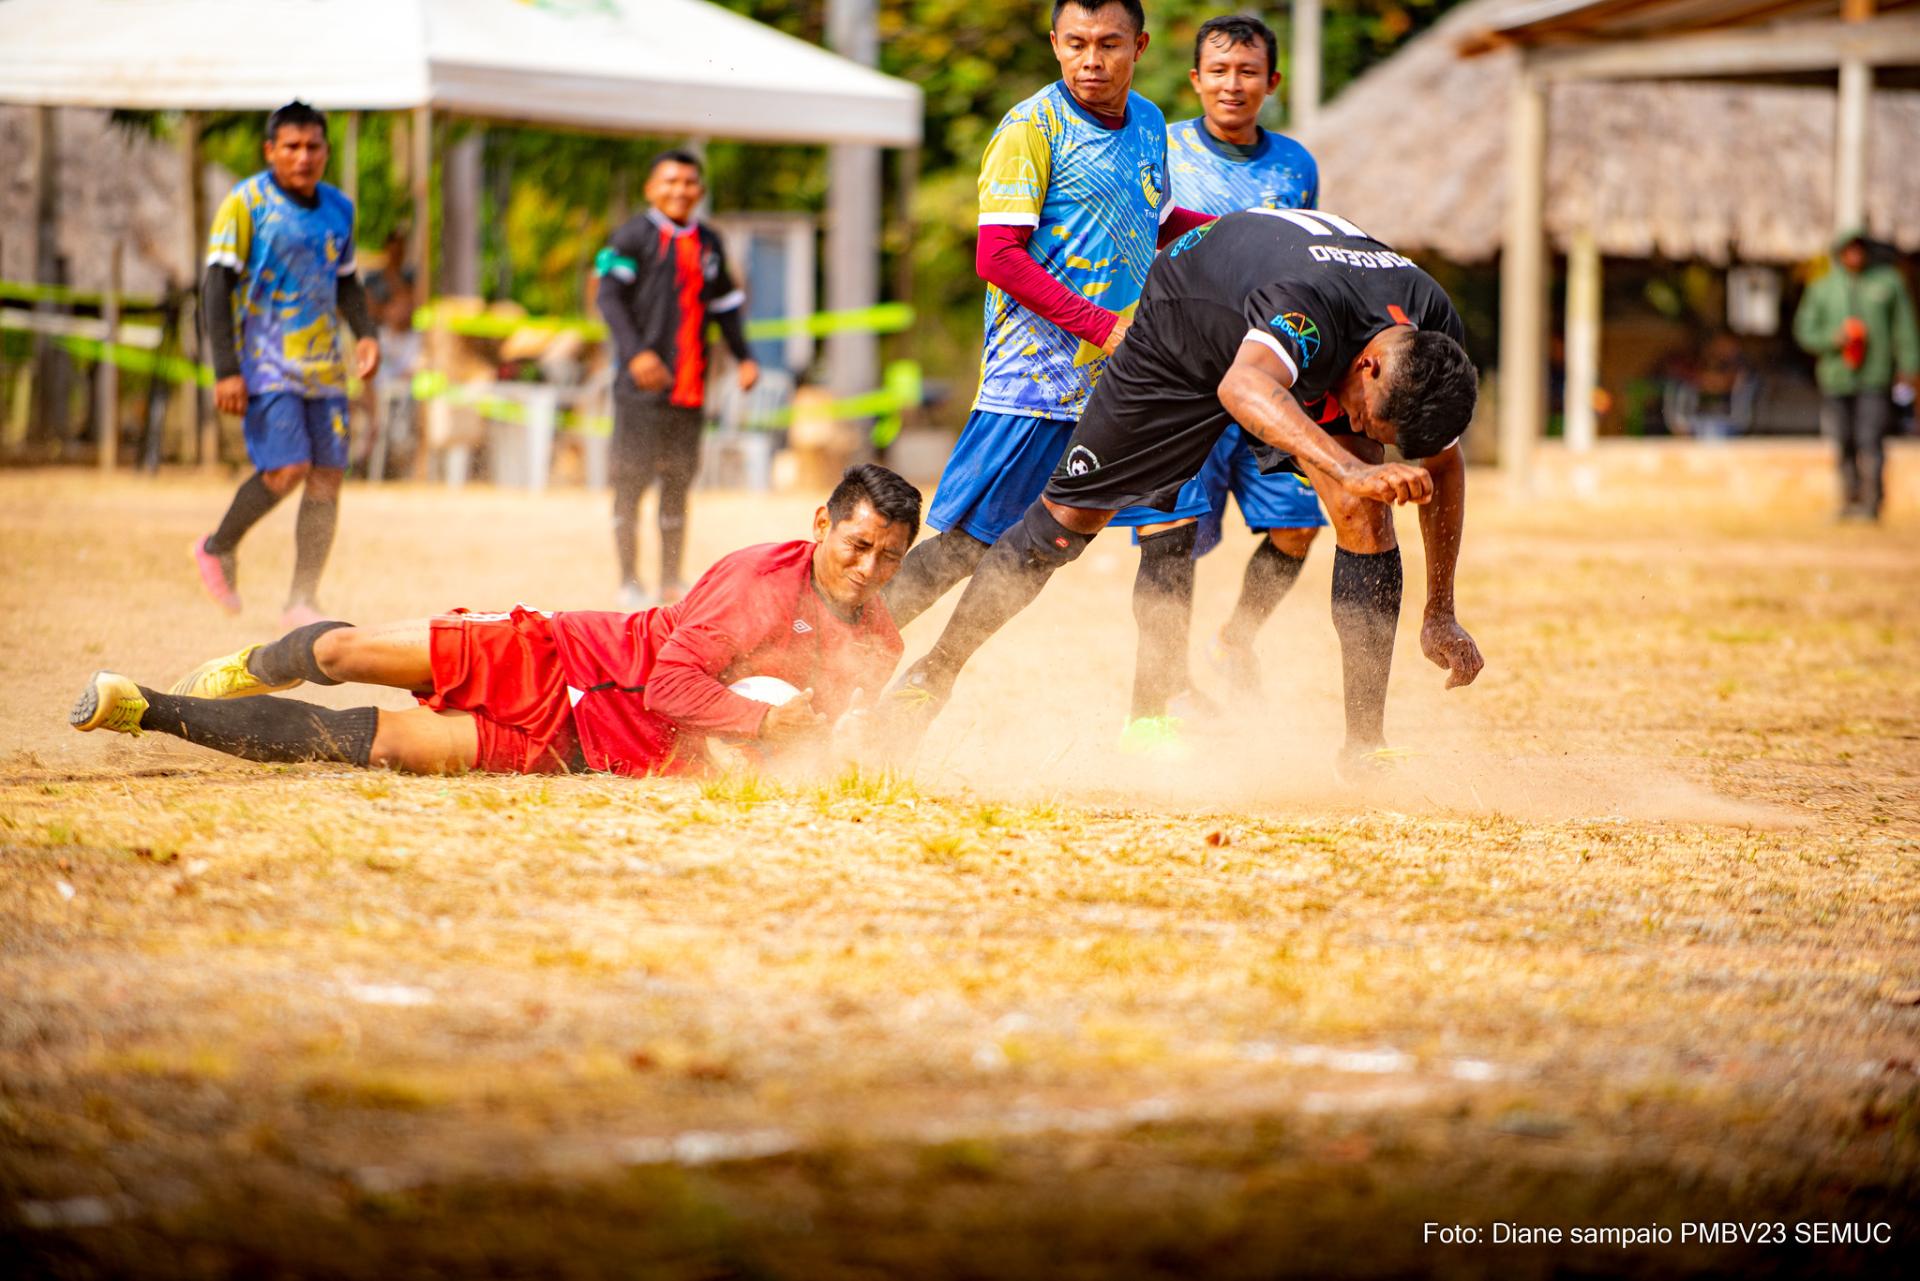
point(460, 214)
point(205, 424)
point(420, 173)
point(1303, 76)
point(45, 388)
point(107, 400)
point(1583, 341)
point(350, 159)
point(1854, 108)
point(1523, 285)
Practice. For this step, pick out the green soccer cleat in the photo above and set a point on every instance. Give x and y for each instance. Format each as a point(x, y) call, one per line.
point(226, 677)
point(110, 701)
point(1155, 737)
point(1362, 768)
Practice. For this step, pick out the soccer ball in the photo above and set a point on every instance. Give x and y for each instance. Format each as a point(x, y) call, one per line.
point(732, 754)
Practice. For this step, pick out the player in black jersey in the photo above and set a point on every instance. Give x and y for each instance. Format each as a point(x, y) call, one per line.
point(1323, 344)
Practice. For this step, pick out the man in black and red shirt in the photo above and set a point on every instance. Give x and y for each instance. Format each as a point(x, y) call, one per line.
point(1325, 346)
point(663, 276)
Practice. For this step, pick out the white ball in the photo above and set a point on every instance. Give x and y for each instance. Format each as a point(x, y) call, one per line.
point(765, 689)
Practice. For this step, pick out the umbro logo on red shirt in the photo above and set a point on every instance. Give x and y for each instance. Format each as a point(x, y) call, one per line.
point(801, 626)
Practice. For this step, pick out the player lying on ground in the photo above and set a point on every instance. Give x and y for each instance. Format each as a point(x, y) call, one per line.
point(526, 692)
point(1326, 346)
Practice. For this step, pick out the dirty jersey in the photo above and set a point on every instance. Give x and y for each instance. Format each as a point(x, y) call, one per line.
point(1209, 178)
point(1095, 198)
point(289, 260)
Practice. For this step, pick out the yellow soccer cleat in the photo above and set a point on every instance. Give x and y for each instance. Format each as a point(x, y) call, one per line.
point(110, 701)
point(226, 678)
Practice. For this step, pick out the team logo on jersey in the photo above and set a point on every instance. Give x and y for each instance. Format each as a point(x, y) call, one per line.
point(801, 627)
point(1191, 238)
point(1150, 183)
point(1081, 460)
point(1305, 334)
point(710, 265)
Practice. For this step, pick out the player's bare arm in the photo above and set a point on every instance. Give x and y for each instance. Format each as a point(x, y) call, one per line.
point(1256, 391)
point(1442, 639)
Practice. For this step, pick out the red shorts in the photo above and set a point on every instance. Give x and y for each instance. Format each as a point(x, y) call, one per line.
point(503, 668)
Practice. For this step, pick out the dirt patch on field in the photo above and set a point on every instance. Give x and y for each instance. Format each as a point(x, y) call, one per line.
point(1628, 938)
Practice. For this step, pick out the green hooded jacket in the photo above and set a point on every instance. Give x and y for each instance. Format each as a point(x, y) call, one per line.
point(1878, 295)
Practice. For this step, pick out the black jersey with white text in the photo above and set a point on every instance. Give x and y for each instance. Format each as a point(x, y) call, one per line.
point(1308, 285)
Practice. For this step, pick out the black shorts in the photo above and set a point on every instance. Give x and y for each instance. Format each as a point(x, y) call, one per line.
point(651, 436)
point(1138, 451)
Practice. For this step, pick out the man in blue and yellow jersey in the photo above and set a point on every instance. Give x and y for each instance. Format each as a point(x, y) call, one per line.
point(1073, 204)
point(1222, 161)
point(280, 259)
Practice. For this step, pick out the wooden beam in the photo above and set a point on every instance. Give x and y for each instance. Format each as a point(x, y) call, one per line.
point(420, 175)
point(1523, 286)
point(107, 373)
point(1303, 71)
point(350, 159)
point(1790, 47)
point(1583, 341)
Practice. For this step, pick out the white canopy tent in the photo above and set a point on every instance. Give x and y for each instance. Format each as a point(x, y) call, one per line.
point(659, 67)
point(631, 66)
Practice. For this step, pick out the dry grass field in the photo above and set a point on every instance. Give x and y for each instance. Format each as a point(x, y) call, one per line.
point(1633, 941)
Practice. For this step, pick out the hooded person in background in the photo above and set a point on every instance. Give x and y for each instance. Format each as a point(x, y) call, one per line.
point(1858, 322)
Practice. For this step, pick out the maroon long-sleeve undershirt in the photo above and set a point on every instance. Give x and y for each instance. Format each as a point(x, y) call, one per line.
point(1002, 260)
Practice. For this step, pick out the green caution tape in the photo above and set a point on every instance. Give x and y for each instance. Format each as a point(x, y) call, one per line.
point(885, 318)
point(19, 291)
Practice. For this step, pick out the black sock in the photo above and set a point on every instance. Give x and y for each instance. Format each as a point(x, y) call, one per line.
point(312, 540)
point(291, 657)
point(929, 571)
point(673, 541)
point(1009, 576)
point(626, 532)
point(250, 502)
point(1163, 610)
point(265, 729)
point(1270, 576)
point(1366, 609)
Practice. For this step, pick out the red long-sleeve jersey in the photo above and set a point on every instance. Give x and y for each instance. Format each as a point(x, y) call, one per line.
point(647, 688)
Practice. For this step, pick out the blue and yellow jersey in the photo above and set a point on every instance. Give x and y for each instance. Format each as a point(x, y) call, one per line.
point(1095, 198)
point(1208, 178)
point(289, 259)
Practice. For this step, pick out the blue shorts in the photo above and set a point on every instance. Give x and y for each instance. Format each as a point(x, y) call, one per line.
point(996, 471)
point(284, 428)
point(1280, 500)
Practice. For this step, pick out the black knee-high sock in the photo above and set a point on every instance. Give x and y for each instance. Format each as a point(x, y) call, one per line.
point(291, 657)
point(265, 729)
point(312, 540)
point(1163, 610)
point(251, 501)
point(1366, 609)
point(1270, 575)
point(1009, 576)
point(929, 571)
point(626, 522)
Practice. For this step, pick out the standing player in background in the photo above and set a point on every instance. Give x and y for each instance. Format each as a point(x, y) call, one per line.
point(281, 256)
point(663, 276)
point(1073, 203)
point(1221, 162)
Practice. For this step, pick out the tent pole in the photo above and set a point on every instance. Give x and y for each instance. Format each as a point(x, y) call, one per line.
point(46, 266)
point(460, 214)
point(853, 216)
point(1583, 341)
point(1523, 281)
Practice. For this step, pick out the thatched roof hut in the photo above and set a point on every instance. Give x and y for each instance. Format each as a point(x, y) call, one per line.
point(1415, 151)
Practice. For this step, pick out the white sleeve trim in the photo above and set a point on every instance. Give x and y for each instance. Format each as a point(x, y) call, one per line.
point(224, 258)
point(1166, 210)
point(347, 266)
point(1009, 220)
point(1269, 341)
point(727, 302)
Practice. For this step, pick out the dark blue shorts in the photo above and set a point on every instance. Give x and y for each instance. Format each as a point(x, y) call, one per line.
point(284, 428)
point(997, 469)
point(1277, 500)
